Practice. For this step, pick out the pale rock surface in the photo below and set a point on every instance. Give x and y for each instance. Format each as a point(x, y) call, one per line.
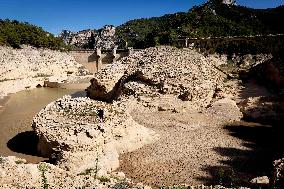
point(217, 59)
point(16, 173)
point(183, 73)
point(73, 130)
point(103, 38)
point(264, 180)
point(229, 2)
point(28, 67)
point(249, 61)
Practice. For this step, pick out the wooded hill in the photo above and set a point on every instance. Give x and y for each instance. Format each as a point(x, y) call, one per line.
point(212, 19)
point(14, 33)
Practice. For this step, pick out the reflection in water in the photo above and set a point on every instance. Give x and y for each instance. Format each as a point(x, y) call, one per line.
point(16, 138)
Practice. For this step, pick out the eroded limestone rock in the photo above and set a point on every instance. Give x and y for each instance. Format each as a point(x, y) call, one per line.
point(81, 138)
point(163, 70)
point(104, 38)
point(16, 173)
point(28, 67)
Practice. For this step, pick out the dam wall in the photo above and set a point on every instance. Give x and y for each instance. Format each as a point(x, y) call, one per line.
point(95, 59)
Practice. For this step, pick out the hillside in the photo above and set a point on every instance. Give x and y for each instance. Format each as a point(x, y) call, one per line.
point(14, 33)
point(215, 18)
point(212, 19)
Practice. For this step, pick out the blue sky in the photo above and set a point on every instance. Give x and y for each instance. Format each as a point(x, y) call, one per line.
point(75, 15)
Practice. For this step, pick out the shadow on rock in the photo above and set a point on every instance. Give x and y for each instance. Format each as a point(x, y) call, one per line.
point(264, 145)
point(79, 94)
point(25, 143)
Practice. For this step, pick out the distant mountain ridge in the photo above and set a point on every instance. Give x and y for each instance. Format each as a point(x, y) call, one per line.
point(215, 18)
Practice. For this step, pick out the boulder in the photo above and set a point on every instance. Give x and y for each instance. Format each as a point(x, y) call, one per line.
point(260, 182)
point(73, 131)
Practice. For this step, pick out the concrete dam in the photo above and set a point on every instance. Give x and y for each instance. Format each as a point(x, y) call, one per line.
point(95, 59)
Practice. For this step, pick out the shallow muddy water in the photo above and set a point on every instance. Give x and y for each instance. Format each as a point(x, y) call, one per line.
point(16, 136)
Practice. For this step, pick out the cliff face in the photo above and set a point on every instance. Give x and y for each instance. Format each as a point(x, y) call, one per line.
point(104, 38)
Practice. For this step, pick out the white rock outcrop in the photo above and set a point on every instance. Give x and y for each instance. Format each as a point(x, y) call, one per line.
point(183, 73)
point(17, 173)
point(28, 67)
point(277, 180)
point(103, 38)
point(86, 134)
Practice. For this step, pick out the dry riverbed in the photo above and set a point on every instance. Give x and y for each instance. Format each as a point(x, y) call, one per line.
point(172, 120)
point(188, 146)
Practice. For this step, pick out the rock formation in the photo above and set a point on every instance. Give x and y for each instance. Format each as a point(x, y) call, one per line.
point(29, 67)
point(85, 134)
point(17, 173)
point(157, 71)
point(104, 38)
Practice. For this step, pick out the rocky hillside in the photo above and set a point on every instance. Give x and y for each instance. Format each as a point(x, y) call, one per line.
point(215, 18)
point(104, 38)
point(28, 67)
